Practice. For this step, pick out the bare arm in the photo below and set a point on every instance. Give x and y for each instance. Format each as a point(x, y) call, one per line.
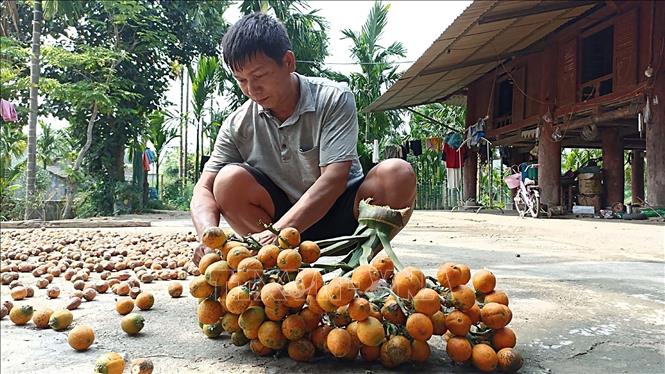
point(318, 199)
point(205, 212)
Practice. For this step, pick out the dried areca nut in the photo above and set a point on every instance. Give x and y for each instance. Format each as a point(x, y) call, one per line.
point(142, 366)
point(89, 294)
point(19, 293)
point(69, 273)
point(54, 271)
point(53, 292)
point(6, 278)
point(123, 276)
point(5, 269)
point(77, 293)
point(31, 291)
point(73, 303)
point(134, 292)
point(104, 275)
point(79, 284)
point(8, 304)
point(120, 266)
point(113, 282)
point(140, 274)
point(173, 275)
point(48, 277)
point(42, 283)
point(122, 289)
point(165, 275)
point(109, 266)
point(182, 275)
point(98, 268)
point(3, 312)
point(24, 267)
point(101, 286)
point(15, 283)
point(147, 278)
point(156, 266)
point(37, 272)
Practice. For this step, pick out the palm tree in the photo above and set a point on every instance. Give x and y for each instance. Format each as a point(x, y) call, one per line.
point(306, 29)
point(47, 145)
point(160, 133)
point(378, 73)
point(37, 17)
point(204, 81)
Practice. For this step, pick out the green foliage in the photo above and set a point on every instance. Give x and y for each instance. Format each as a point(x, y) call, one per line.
point(378, 73)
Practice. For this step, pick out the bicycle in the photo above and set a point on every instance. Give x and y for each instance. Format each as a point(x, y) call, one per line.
point(527, 198)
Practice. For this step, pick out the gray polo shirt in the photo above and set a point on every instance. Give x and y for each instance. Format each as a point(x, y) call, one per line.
point(322, 130)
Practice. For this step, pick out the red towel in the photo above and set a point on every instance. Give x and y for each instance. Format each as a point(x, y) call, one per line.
point(146, 162)
point(454, 157)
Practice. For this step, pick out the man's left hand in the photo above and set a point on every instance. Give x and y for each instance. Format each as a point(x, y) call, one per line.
point(266, 237)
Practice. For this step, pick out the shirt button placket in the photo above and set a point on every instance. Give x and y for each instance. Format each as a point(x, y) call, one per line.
point(284, 147)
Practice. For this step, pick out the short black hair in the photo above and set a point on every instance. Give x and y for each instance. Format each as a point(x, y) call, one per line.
point(254, 33)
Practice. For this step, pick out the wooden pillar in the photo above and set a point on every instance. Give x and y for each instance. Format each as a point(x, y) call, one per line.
point(613, 175)
point(471, 176)
point(637, 176)
point(655, 134)
point(655, 129)
point(549, 167)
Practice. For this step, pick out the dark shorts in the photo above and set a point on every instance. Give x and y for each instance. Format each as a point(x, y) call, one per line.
point(339, 220)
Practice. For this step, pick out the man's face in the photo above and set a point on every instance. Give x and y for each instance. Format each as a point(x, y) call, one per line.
point(265, 81)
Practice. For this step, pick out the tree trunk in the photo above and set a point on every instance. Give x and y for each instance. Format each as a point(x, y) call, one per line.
point(157, 175)
point(181, 165)
point(71, 184)
point(34, 109)
point(196, 155)
point(184, 175)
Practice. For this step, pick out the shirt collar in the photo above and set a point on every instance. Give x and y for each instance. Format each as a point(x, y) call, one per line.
point(305, 102)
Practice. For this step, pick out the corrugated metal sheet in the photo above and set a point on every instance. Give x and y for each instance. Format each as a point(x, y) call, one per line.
point(473, 45)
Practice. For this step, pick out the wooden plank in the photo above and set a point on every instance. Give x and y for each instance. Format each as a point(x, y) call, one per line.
point(519, 84)
point(567, 72)
point(625, 49)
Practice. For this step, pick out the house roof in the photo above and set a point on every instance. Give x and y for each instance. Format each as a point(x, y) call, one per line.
point(479, 39)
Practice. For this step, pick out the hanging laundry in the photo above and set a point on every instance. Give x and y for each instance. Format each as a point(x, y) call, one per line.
point(476, 132)
point(405, 151)
point(434, 143)
point(504, 152)
point(453, 178)
point(454, 157)
point(152, 157)
point(375, 152)
point(8, 111)
point(416, 147)
point(454, 139)
point(392, 151)
point(145, 161)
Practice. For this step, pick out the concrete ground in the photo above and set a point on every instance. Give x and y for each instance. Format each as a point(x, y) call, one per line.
point(588, 296)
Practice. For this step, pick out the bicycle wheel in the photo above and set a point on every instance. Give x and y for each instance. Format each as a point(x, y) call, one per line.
point(520, 205)
point(534, 206)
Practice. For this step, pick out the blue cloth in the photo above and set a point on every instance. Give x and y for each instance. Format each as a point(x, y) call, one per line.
point(151, 155)
point(454, 140)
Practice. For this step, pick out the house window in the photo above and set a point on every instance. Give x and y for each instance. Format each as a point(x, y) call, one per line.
point(504, 103)
point(597, 64)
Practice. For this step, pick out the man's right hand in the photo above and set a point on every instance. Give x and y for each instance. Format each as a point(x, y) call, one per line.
point(199, 252)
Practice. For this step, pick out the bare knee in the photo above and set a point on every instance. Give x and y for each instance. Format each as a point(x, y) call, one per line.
point(395, 172)
point(227, 188)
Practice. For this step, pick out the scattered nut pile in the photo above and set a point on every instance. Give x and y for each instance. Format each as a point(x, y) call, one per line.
point(93, 263)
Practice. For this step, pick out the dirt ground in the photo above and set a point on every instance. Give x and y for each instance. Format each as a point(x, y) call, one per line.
point(587, 296)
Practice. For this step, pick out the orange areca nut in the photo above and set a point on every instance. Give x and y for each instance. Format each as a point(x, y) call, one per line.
point(288, 238)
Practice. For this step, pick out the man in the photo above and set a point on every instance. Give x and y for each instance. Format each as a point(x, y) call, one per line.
point(288, 155)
